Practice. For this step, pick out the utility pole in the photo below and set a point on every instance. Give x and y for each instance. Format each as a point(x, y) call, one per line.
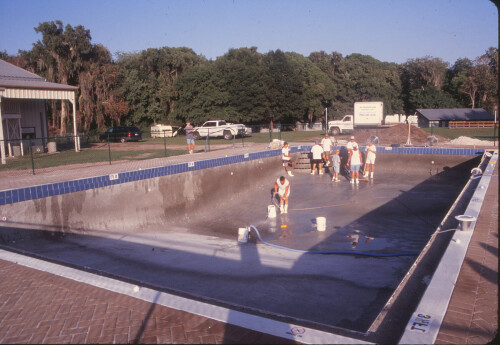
point(326, 119)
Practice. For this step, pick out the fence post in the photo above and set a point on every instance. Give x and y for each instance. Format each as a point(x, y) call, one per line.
point(109, 151)
point(32, 161)
point(165, 142)
point(270, 133)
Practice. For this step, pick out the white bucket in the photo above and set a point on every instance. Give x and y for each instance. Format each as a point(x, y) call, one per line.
point(243, 235)
point(271, 211)
point(321, 223)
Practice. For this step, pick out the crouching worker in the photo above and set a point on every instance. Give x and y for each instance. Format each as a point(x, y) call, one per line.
point(282, 188)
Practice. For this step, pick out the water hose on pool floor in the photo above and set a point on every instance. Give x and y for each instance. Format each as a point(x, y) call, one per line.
point(329, 251)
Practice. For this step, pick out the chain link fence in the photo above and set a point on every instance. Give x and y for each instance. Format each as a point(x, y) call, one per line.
point(29, 155)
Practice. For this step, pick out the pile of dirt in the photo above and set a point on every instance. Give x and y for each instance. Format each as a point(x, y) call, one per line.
point(397, 134)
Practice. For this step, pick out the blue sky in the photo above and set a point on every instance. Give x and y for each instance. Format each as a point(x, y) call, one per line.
point(388, 30)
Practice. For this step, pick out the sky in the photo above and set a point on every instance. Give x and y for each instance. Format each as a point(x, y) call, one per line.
point(388, 30)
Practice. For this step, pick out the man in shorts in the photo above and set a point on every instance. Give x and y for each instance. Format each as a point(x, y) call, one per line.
point(286, 157)
point(355, 161)
point(327, 144)
point(371, 152)
point(282, 188)
point(317, 158)
point(190, 136)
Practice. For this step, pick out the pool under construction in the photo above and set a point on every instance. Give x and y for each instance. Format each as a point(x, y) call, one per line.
point(360, 276)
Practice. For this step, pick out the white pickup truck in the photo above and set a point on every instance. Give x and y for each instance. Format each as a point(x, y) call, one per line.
point(219, 128)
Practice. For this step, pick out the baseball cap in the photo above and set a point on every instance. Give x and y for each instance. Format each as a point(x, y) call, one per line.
point(317, 141)
point(352, 136)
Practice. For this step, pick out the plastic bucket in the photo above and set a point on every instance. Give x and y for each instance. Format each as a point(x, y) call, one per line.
point(321, 223)
point(243, 235)
point(271, 211)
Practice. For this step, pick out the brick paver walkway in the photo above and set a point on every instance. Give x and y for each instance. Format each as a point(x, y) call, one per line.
point(39, 307)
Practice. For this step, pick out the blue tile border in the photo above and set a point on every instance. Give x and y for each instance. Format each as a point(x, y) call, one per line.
point(11, 196)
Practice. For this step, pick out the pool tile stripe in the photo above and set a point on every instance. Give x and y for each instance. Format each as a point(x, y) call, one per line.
point(11, 196)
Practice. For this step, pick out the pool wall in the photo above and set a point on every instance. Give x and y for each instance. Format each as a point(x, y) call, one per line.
point(157, 195)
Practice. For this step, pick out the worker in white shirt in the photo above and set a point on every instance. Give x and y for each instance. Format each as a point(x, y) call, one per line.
point(327, 144)
point(317, 158)
point(371, 152)
point(282, 188)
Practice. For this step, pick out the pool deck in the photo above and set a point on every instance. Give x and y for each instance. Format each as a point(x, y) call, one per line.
point(41, 307)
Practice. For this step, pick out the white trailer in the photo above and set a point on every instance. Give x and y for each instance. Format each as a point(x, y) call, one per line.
point(366, 114)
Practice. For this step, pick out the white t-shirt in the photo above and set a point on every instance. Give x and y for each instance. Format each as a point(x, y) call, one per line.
point(282, 187)
point(285, 151)
point(370, 152)
point(317, 152)
point(327, 144)
point(351, 144)
point(356, 157)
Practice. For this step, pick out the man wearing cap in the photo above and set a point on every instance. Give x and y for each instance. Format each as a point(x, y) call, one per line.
point(317, 158)
point(351, 144)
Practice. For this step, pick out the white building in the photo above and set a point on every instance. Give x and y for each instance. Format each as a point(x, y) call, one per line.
point(22, 108)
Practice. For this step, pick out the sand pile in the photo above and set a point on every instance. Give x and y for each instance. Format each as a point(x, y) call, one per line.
point(466, 141)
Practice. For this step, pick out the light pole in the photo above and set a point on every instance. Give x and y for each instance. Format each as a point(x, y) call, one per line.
point(326, 119)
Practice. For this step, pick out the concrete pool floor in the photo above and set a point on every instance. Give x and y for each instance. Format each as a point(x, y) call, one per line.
point(275, 267)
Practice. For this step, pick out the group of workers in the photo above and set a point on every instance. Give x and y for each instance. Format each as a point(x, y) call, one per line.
point(320, 158)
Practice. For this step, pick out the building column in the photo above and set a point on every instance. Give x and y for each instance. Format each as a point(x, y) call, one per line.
point(2, 142)
point(76, 139)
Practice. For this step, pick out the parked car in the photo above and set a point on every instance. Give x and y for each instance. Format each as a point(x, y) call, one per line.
point(122, 134)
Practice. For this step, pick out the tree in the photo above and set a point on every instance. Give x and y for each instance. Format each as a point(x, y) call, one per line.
point(100, 101)
point(455, 79)
point(60, 56)
point(419, 74)
point(328, 63)
point(148, 80)
point(430, 98)
point(363, 78)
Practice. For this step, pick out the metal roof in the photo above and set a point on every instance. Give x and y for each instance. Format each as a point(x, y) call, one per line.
point(15, 77)
point(457, 114)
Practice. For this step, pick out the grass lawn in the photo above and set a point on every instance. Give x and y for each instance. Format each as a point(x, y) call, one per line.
point(478, 133)
point(85, 156)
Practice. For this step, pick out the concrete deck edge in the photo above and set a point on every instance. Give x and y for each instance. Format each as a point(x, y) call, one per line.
point(426, 320)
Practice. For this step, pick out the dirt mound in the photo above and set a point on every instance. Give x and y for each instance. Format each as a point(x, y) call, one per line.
point(397, 134)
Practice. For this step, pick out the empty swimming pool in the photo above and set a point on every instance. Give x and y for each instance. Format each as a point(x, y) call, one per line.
point(179, 233)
